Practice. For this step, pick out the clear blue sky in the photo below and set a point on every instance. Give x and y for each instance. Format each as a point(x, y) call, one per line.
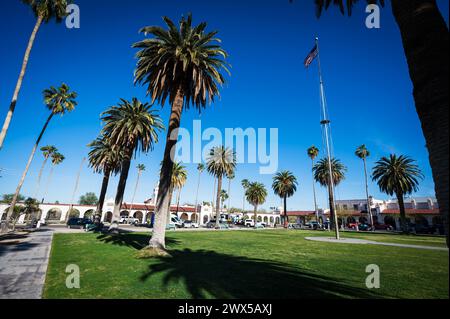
point(366, 77)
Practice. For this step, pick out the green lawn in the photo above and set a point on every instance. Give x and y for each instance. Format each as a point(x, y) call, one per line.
point(245, 264)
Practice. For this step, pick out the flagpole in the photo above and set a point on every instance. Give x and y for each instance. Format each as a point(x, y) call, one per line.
point(326, 126)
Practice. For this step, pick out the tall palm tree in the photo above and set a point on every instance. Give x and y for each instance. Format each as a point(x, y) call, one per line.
point(104, 159)
point(132, 127)
point(44, 10)
point(182, 64)
point(322, 176)
point(230, 177)
point(256, 195)
point(57, 158)
point(179, 178)
point(200, 169)
point(220, 162)
point(362, 152)
point(140, 168)
point(313, 152)
point(424, 35)
point(284, 185)
point(47, 151)
point(245, 183)
point(223, 197)
point(59, 101)
point(397, 175)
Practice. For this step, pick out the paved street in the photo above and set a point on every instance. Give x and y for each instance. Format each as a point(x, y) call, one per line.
point(23, 264)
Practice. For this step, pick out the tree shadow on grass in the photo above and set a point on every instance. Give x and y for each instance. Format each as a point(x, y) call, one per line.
point(130, 239)
point(210, 274)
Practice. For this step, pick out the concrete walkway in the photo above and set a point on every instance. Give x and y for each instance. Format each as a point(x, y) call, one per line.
point(23, 264)
point(369, 242)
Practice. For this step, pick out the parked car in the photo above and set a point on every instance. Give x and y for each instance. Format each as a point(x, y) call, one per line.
point(190, 224)
point(249, 223)
point(179, 223)
point(128, 220)
point(364, 227)
point(211, 224)
point(75, 222)
point(423, 229)
point(260, 225)
point(171, 226)
point(383, 227)
point(94, 227)
point(294, 226)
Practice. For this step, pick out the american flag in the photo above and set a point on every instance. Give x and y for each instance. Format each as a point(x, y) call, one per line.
point(311, 56)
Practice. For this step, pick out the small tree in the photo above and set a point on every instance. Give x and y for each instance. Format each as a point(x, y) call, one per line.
point(88, 199)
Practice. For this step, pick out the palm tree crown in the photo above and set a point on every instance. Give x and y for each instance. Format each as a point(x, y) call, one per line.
point(140, 167)
point(397, 175)
point(313, 152)
point(221, 161)
point(48, 150)
point(132, 126)
point(362, 152)
point(322, 175)
point(256, 193)
point(324, 4)
point(57, 158)
point(201, 167)
point(284, 184)
point(185, 59)
point(179, 176)
point(60, 100)
point(48, 9)
point(245, 183)
point(103, 157)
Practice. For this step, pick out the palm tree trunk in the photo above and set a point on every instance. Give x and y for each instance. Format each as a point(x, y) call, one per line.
point(286, 218)
point(77, 181)
point(314, 192)
point(27, 167)
point(425, 40)
point(401, 207)
point(369, 210)
point(121, 187)
point(255, 215)
point(135, 189)
point(168, 217)
point(178, 200)
point(196, 194)
point(219, 189)
point(12, 106)
point(40, 176)
point(229, 196)
point(101, 199)
point(333, 216)
point(162, 206)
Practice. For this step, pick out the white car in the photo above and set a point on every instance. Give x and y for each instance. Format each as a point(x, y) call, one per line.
point(249, 223)
point(190, 224)
point(128, 220)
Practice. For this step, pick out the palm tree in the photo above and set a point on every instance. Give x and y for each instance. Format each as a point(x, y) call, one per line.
point(284, 185)
point(182, 65)
point(322, 176)
point(256, 194)
point(130, 127)
point(59, 101)
point(200, 169)
point(223, 197)
point(245, 183)
point(362, 152)
point(47, 151)
point(179, 178)
point(57, 158)
point(397, 175)
point(313, 152)
point(221, 162)
point(104, 159)
point(140, 168)
point(44, 10)
point(230, 177)
point(424, 35)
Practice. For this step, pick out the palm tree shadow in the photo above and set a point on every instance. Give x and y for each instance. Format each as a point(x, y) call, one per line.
point(129, 239)
point(210, 274)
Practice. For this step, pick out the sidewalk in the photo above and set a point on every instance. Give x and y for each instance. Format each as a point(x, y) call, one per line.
point(23, 264)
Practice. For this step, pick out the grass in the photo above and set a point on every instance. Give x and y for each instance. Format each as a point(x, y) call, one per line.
point(245, 264)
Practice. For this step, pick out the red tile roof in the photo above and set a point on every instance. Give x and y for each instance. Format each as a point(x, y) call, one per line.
point(300, 213)
point(412, 212)
point(181, 209)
